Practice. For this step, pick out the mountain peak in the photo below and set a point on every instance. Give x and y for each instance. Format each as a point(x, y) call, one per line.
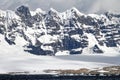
point(53, 10)
point(39, 10)
point(74, 9)
point(23, 10)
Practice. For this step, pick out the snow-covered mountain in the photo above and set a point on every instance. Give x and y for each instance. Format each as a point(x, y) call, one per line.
point(53, 33)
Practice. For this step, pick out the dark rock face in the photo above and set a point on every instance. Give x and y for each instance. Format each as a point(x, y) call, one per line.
point(36, 50)
point(76, 31)
point(2, 29)
point(75, 52)
point(97, 50)
point(38, 17)
point(53, 21)
point(69, 43)
point(87, 20)
point(25, 15)
point(23, 12)
point(111, 43)
point(10, 42)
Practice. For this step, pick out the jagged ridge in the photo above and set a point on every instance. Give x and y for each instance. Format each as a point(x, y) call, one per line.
point(52, 32)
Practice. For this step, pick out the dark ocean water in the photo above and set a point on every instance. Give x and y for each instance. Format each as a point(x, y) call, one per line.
point(55, 77)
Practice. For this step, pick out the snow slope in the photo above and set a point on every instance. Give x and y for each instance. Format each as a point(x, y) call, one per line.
point(14, 60)
point(37, 64)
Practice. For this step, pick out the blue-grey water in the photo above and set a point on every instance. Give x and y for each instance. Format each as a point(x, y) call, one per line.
point(54, 77)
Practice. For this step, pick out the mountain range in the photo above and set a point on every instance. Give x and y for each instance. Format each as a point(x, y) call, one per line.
point(59, 33)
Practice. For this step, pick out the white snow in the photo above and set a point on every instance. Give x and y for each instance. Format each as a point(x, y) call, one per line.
point(62, 53)
point(37, 11)
point(102, 71)
point(76, 10)
point(37, 64)
point(108, 51)
point(94, 16)
point(13, 59)
point(47, 48)
point(47, 39)
point(70, 13)
point(87, 26)
point(2, 13)
point(53, 10)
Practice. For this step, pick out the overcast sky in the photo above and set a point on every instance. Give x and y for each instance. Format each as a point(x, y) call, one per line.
point(87, 6)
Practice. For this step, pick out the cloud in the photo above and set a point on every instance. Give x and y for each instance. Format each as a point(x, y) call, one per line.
point(87, 6)
point(105, 5)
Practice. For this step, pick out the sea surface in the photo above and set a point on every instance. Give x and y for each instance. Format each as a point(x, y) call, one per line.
point(56, 77)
